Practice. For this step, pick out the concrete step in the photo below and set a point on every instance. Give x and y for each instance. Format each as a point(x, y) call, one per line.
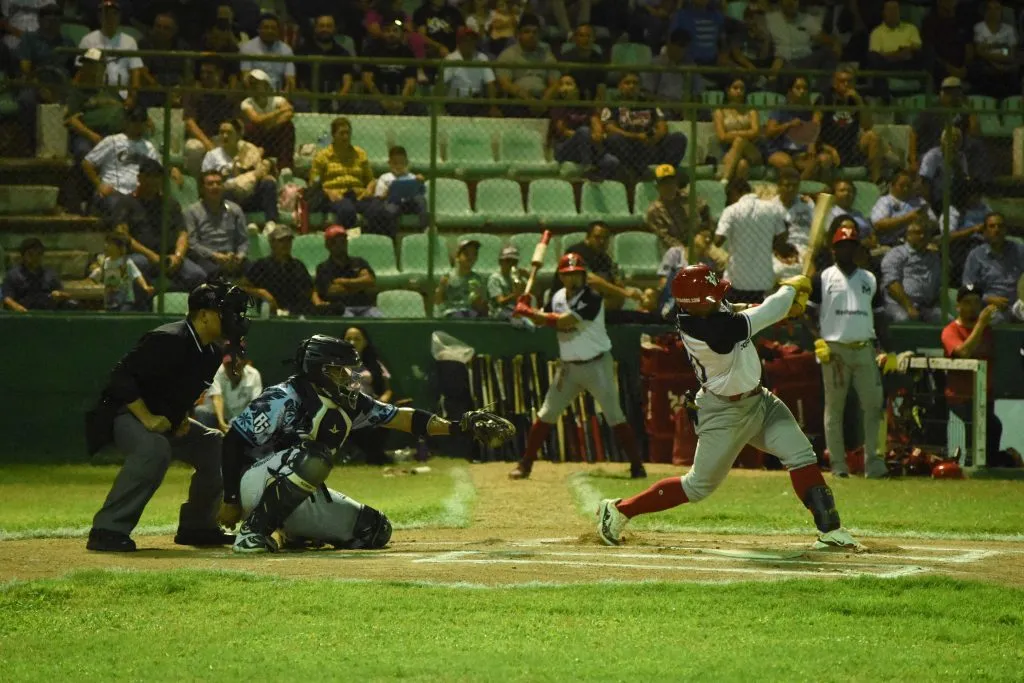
point(84, 241)
point(33, 171)
point(28, 199)
point(54, 223)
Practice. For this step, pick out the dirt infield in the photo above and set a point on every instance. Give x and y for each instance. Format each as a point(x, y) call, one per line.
point(523, 532)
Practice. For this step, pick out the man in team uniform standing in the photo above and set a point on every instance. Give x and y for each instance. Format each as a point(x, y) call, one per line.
point(850, 319)
point(733, 408)
point(577, 314)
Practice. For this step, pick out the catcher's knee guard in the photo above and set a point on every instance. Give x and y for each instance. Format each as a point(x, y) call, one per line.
point(372, 530)
point(822, 505)
point(306, 468)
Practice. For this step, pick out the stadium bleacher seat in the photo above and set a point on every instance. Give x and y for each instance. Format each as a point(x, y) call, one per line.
point(175, 303)
point(401, 303)
point(1013, 114)
point(644, 193)
point(987, 109)
point(453, 209)
point(637, 254)
point(379, 252)
point(554, 202)
point(812, 187)
point(571, 239)
point(606, 201)
point(415, 137)
point(187, 193)
point(712, 192)
point(499, 201)
point(259, 246)
point(74, 32)
point(414, 255)
point(487, 256)
point(911, 104)
point(523, 151)
point(867, 194)
point(526, 242)
point(470, 153)
point(712, 97)
point(375, 143)
point(765, 99)
point(631, 54)
point(311, 250)
point(735, 9)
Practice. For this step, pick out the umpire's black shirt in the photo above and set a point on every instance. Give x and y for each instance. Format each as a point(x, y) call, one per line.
point(168, 369)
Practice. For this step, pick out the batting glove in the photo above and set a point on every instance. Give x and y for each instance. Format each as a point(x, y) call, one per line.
point(822, 351)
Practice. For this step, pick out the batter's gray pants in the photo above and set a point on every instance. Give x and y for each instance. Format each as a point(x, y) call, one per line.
point(597, 377)
point(856, 367)
point(147, 457)
point(320, 517)
point(725, 427)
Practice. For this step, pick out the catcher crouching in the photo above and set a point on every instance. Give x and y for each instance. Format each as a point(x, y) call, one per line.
point(281, 448)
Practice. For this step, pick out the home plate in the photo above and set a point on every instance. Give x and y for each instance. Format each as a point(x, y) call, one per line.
point(756, 554)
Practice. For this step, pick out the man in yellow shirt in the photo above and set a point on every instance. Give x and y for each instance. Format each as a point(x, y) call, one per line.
point(340, 177)
point(894, 45)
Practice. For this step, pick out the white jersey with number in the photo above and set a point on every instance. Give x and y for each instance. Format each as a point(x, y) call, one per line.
point(590, 338)
point(719, 345)
point(846, 304)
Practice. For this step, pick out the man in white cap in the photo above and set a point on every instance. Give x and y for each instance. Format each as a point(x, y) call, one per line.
point(506, 285)
point(268, 119)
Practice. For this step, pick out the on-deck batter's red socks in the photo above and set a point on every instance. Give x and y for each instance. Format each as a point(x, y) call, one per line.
point(539, 431)
point(666, 494)
point(627, 442)
point(804, 478)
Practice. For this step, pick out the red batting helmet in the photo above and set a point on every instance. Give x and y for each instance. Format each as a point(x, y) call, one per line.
point(845, 233)
point(572, 263)
point(947, 469)
point(698, 285)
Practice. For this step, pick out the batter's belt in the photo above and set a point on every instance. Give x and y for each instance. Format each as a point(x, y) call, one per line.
point(739, 397)
point(852, 345)
point(584, 362)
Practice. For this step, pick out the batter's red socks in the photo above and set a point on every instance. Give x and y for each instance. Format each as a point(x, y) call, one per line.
point(539, 431)
point(626, 439)
point(805, 478)
point(667, 493)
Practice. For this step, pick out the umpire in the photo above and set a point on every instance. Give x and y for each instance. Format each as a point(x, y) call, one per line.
point(144, 411)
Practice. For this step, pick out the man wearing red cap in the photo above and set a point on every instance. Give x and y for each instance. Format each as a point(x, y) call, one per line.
point(733, 408)
point(344, 283)
point(577, 314)
point(850, 319)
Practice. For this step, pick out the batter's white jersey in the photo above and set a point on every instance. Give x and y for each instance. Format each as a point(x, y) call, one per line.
point(846, 304)
point(590, 338)
point(719, 345)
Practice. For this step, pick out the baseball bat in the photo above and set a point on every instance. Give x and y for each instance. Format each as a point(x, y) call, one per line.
point(822, 210)
point(581, 429)
point(595, 429)
point(537, 261)
point(560, 423)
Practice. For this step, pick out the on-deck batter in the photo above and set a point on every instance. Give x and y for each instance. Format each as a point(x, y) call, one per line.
point(733, 409)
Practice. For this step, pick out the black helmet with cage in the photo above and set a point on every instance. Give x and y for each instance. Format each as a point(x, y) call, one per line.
point(332, 366)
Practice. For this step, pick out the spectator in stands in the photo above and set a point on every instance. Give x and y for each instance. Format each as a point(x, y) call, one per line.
point(532, 84)
point(929, 124)
point(340, 176)
point(912, 278)
point(591, 82)
point(222, 37)
point(383, 13)
point(112, 166)
point(651, 21)
point(165, 72)
point(235, 385)
point(970, 336)
point(140, 216)
point(799, 40)
point(967, 212)
point(738, 129)
point(799, 208)
point(845, 193)
point(603, 274)
point(248, 177)
point(505, 286)
point(668, 216)
point(45, 70)
point(268, 120)
point(502, 22)
point(470, 81)
point(462, 293)
point(204, 113)
point(892, 213)
point(217, 238)
point(994, 69)
point(791, 136)
point(894, 45)
point(477, 14)
point(333, 79)
point(345, 283)
point(674, 86)
point(751, 228)
point(945, 37)
point(577, 135)
point(949, 152)
point(703, 250)
point(18, 19)
point(704, 23)
point(382, 78)
point(638, 136)
point(119, 275)
point(437, 22)
point(849, 131)
point(282, 280)
point(30, 285)
point(280, 75)
point(995, 268)
point(376, 381)
point(395, 193)
point(126, 70)
point(751, 45)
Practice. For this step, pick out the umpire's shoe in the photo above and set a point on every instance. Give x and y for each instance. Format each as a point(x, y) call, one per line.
point(637, 472)
point(108, 541)
point(249, 541)
point(203, 537)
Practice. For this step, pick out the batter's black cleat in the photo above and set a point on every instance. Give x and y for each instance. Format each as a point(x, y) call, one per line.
point(203, 537)
point(107, 541)
point(637, 472)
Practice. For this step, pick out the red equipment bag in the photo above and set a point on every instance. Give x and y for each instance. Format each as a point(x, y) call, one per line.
point(684, 447)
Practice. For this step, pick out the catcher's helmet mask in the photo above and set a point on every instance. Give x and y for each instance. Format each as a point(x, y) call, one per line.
point(332, 366)
point(231, 304)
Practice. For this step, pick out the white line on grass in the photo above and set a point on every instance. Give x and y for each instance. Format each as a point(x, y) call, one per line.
point(456, 505)
point(80, 532)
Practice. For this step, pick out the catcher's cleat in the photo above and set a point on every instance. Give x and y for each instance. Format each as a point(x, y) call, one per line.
point(610, 522)
point(249, 541)
point(838, 538)
point(637, 472)
point(520, 472)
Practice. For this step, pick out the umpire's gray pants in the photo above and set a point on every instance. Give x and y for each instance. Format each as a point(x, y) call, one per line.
point(856, 367)
point(147, 457)
point(597, 377)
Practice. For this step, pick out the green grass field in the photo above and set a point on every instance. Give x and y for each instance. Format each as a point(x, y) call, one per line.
point(229, 624)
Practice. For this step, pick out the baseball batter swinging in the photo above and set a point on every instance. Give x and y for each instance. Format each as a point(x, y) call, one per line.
point(733, 408)
point(293, 432)
point(577, 314)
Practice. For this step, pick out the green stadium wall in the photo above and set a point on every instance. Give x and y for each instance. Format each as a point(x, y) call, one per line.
point(54, 366)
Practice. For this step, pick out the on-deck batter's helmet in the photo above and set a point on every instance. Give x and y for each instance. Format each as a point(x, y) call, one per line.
point(947, 469)
point(332, 365)
point(695, 285)
point(572, 263)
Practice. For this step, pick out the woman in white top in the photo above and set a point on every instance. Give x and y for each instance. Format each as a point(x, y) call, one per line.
point(248, 177)
point(268, 120)
point(994, 70)
point(738, 129)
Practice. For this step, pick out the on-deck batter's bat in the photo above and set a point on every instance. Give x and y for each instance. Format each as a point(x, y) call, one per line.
point(822, 210)
point(581, 428)
point(595, 429)
point(537, 261)
point(560, 422)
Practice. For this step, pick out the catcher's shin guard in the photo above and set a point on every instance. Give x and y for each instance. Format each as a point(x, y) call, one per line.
point(306, 469)
point(822, 505)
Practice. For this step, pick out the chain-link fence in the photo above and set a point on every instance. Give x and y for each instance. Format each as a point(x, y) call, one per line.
point(410, 188)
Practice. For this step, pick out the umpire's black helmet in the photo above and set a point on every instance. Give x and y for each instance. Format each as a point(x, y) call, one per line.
point(331, 365)
point(230, 302)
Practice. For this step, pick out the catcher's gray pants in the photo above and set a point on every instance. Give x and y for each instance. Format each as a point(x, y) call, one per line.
point(596, 376)
point(856, 367)
point(724, 427)
point(147, 457)
point(325, 516)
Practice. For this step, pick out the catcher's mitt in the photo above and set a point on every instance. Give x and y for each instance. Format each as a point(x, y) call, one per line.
point(489, 429)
